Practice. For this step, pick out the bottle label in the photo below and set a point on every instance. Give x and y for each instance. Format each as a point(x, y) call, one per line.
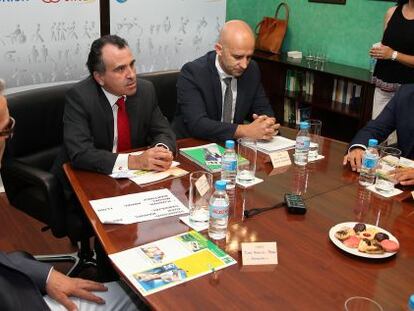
point(369, 162)
point(219, 211)
point(229, 165)
point(302, 142)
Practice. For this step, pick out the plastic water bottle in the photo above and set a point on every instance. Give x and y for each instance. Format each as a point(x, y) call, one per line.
point(302, 144)
point(218, 212)
point(411, 303)
point(229, 165)
point(369, 164)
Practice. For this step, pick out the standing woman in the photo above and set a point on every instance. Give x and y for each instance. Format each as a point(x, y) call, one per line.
point(395, 54)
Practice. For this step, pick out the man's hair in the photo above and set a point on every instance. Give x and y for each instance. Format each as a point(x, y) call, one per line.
point(95, 62)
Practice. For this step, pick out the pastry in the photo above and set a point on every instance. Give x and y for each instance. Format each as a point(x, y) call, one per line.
point(390, 246)
point(380, 236)
point(366, 235)
point(344, 233)
point(352, 241)
point(359, 227)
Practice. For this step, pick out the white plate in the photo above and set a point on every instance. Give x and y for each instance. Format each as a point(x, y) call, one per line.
point(355, 251)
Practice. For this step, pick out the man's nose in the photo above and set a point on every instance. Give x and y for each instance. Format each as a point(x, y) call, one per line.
point(244, 63)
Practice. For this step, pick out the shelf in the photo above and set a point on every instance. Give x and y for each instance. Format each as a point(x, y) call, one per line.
point(338, 108)
point(299, 96)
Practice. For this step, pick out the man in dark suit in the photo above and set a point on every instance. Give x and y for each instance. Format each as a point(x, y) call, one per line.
point(397, 115)
point(112, 111)
point(219, 91)
point(24, 281)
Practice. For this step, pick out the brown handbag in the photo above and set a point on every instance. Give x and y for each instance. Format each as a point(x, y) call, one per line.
point(272, 31)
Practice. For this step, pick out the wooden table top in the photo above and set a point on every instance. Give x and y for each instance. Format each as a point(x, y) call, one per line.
point(312, 274)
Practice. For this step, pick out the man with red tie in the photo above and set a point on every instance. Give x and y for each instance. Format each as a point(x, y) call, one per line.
point(111, 112)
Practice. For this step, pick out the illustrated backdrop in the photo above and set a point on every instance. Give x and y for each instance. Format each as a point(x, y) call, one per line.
point(165, 34)
point(46, 41)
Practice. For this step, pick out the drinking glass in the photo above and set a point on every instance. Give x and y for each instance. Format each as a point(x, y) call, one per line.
point(315, 137)
point(388, 162)
point(201, 188)
point(358, 303)
point(246, 161)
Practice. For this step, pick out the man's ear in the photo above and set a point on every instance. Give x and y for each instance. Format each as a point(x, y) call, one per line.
point(219, 48)
point(98, 78)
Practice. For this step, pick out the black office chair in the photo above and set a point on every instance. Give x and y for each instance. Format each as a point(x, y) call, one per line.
point(25, 171)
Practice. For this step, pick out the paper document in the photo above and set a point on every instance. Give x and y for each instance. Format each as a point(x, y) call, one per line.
point(138, 207)
point(142, 174)
point(277, 143)
point(165, 263)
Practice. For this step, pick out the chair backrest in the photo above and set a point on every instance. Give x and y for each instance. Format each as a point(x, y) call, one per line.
point(165, 86)
point(39, 129)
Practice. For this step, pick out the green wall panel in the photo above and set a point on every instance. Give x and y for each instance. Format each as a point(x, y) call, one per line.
point(343, 32)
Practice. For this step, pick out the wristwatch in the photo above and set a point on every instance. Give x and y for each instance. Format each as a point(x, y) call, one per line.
point(394, 55)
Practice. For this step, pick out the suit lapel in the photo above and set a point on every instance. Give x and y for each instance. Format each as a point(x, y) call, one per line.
point(238, 113)
point(132, 104)
point(215, 80)
point(108, 119)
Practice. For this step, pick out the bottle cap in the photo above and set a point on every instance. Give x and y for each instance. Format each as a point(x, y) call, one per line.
point(221, 185)
point(411, 302)
point(372, 142)
point(304, 125)
point(229, 144)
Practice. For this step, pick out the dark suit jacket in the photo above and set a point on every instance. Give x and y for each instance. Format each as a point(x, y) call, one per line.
point(199, 98)
point(397, 115)
point(22, 282)
point(89, 125)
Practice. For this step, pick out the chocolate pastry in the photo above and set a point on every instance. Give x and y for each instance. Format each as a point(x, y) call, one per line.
point(380, 236)
point(359, 227)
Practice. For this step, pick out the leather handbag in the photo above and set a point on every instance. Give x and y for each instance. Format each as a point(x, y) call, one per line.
point(271, 31)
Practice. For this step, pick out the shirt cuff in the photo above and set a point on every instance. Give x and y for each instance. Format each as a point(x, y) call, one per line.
point(162, 145)
point(48, 275)
point(357, 145)
point(121, 163)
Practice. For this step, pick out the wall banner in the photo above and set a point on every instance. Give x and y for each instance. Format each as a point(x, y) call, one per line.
point(165, 34)
point(46, 41)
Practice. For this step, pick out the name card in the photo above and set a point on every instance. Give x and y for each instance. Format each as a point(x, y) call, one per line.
point(280, 159)
point(259, 253)
point(202, 185)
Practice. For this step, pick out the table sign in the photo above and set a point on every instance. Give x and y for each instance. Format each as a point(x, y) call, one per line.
point(259, 253)
point(280, 159)
point(202, 185)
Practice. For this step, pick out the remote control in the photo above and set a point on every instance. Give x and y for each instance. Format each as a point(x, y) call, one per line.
point(295, 203)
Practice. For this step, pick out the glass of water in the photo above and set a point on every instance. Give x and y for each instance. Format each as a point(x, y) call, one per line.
point(315, 137)
point(246, 161)
point(201, 188)
point(388, 163)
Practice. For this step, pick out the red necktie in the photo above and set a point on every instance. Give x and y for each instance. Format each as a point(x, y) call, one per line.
point(124, 136)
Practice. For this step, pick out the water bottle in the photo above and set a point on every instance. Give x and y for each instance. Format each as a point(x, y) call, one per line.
point(411, 303)
point(218, 211)
point(369, 164)
point(229, 165)
point(302, 144)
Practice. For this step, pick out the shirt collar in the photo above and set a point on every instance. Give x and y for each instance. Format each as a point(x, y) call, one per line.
point(222, 74)
point(111, 97)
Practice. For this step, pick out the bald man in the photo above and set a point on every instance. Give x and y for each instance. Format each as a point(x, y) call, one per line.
point(217, 92)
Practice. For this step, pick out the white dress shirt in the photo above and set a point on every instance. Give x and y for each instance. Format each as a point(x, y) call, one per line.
point(233, 84)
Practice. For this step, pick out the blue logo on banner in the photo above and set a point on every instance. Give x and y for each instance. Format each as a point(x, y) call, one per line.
point(121, 1)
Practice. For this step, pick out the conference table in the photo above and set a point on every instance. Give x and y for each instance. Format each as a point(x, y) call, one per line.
point(312, 273)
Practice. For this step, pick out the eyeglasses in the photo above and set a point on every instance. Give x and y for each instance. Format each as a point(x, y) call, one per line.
point(9, 129)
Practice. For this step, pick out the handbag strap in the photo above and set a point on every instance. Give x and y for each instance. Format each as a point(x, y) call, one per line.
point(286, 7)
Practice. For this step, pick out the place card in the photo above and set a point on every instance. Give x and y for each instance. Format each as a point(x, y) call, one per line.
point(280, 158)
point(259, 253)
point(202, 185)
point(392, 193)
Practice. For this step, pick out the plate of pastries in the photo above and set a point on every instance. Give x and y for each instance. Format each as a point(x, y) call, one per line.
point(364, 240)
